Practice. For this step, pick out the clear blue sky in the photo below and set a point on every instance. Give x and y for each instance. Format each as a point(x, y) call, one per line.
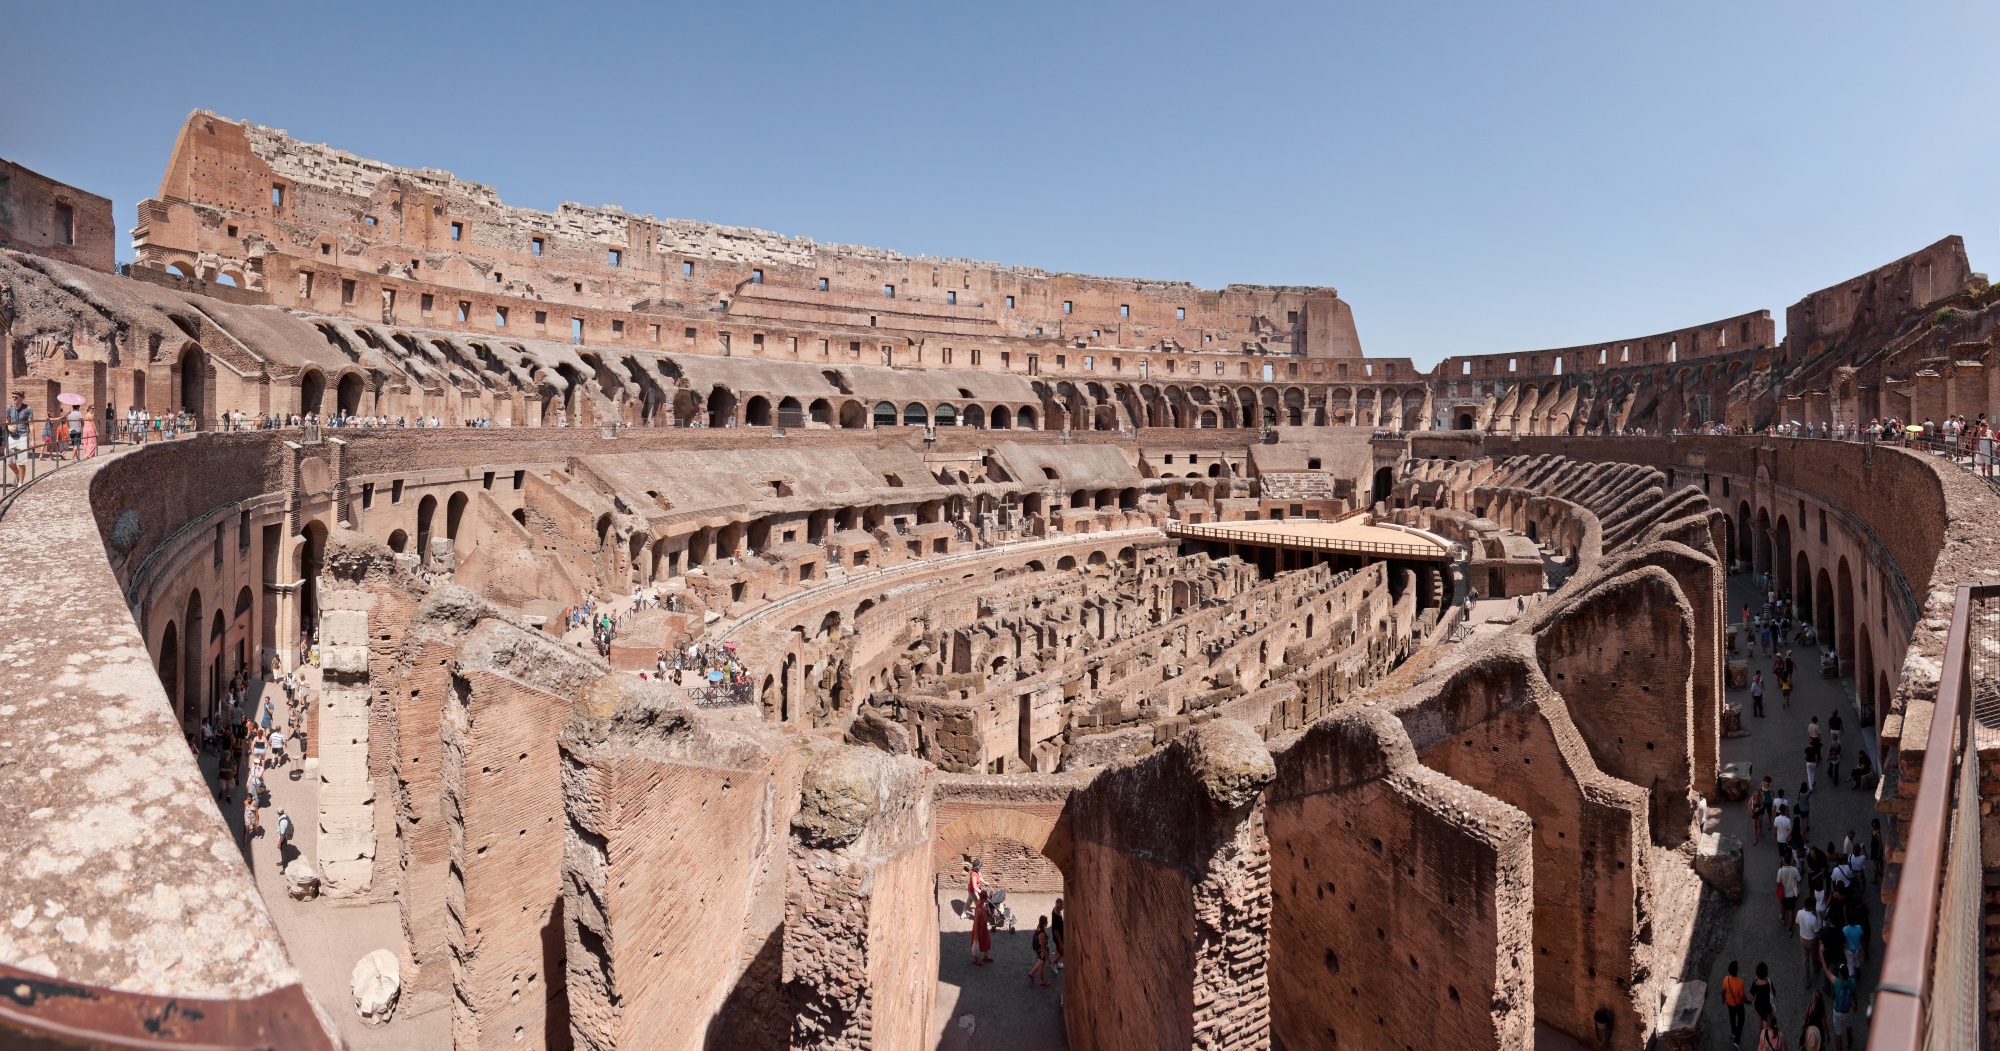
point(1472, 177)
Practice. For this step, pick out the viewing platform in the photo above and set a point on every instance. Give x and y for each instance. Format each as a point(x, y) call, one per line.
point(1350, 536)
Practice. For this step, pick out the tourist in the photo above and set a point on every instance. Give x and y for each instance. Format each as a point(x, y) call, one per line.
point(1758, 810)
point(250, 820)
point(1781, 820)
point(89, 439)
point(1812, 1034)
point(1844, 1002)
point(1812, 752)
point(284, 835)
point(982, 933)
point(1734, 997)
point(1806, 922)
point(1763, 995)
point(1041, 945)
point(1802, 811)
point(1056, 934)
point(19, 420)
point(1875, 852)
point(1757, 690)
point(1857, 861)
point(1788, 890)
point(1863, 770)
point(278, 746)
point(1784, 690)
point(1768, 1038)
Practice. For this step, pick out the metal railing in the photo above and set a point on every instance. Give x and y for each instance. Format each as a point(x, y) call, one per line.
point(39, 458)
point(1931, 994)
point(1262, 538)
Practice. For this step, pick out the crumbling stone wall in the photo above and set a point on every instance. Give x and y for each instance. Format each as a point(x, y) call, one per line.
point(501, 784)
point(1402, 900)
point(1170, 898)
point(860, 940)
point(676, 839)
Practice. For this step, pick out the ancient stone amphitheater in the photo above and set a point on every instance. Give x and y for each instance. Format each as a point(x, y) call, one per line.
point(1346, 704)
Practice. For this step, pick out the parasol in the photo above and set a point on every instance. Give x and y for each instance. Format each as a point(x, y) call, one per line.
point(715, 676)
point(67, 398)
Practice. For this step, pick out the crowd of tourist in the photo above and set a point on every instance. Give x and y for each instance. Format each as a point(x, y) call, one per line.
point(708, 671)
point(250, 737)
point(1821, 890)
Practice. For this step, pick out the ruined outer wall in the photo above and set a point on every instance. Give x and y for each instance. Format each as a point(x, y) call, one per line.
point(46, 217)
point(300, 208)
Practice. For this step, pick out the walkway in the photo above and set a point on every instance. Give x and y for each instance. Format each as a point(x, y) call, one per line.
point(1006, 1013)
point(325, 937)
point(1776, 746)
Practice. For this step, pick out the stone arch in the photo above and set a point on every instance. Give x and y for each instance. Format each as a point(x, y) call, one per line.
point(347, 394)
point(1044, 837)
point(1843, 622)
point(426, 511)
point(312, 390)
point(454, 513)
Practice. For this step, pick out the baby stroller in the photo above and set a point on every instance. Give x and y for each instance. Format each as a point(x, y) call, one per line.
point(998, 916)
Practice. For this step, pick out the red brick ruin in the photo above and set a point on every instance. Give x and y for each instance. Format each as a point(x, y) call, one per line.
point(1147, 595)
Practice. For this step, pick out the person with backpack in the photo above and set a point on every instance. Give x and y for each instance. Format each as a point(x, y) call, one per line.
point(1845, 998)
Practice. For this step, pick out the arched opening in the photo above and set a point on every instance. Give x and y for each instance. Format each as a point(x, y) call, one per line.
point(192, 665)
point(1843, 622)
point(170, 670)
point(520, 514)
point(454, 512)
point(853, 416)
point(1745, 539)
point(1385, 480)
point(1002, 420)
point(349, 394)
point(1864, 673)
point(399, 541)
point(697, 548)
point(1781, 557)
point(1020, 852)
point(885, 414)
point(1464, 422)
point(426, 510)
point(311, 554)
point(821, 411)
point(1026, 418)
point(1822, 608)
point(1763, 541)
point(945, 416)
point(757, 411)
point(1802, 589)
point(239, 629)
point(790, 413)
point(915, 415)
point(312, 391)
point(721, 407)
point(194, 385)
point(1066, 562)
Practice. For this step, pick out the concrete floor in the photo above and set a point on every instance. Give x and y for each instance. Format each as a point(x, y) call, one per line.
point(325, 937)
point(1776, 746)
point(1005, 1011)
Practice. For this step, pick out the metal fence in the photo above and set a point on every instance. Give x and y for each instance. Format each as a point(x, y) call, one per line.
point(35, 460)
point(1932, 989)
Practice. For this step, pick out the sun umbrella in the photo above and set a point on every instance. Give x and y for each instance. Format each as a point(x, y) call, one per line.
point(68, 398)
point(715, 676)
point(1914, 429)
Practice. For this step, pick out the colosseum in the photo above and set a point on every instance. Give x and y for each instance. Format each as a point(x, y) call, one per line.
point(435, 623)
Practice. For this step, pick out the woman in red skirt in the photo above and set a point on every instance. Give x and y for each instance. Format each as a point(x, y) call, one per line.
point(982, 934)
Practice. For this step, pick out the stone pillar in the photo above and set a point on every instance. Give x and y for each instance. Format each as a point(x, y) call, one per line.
point(1965, 388)
point(346, 842)
point(861, 937)
point(1927, 395)
point(501, 788)
point(1170, 898)
point(674, 870)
